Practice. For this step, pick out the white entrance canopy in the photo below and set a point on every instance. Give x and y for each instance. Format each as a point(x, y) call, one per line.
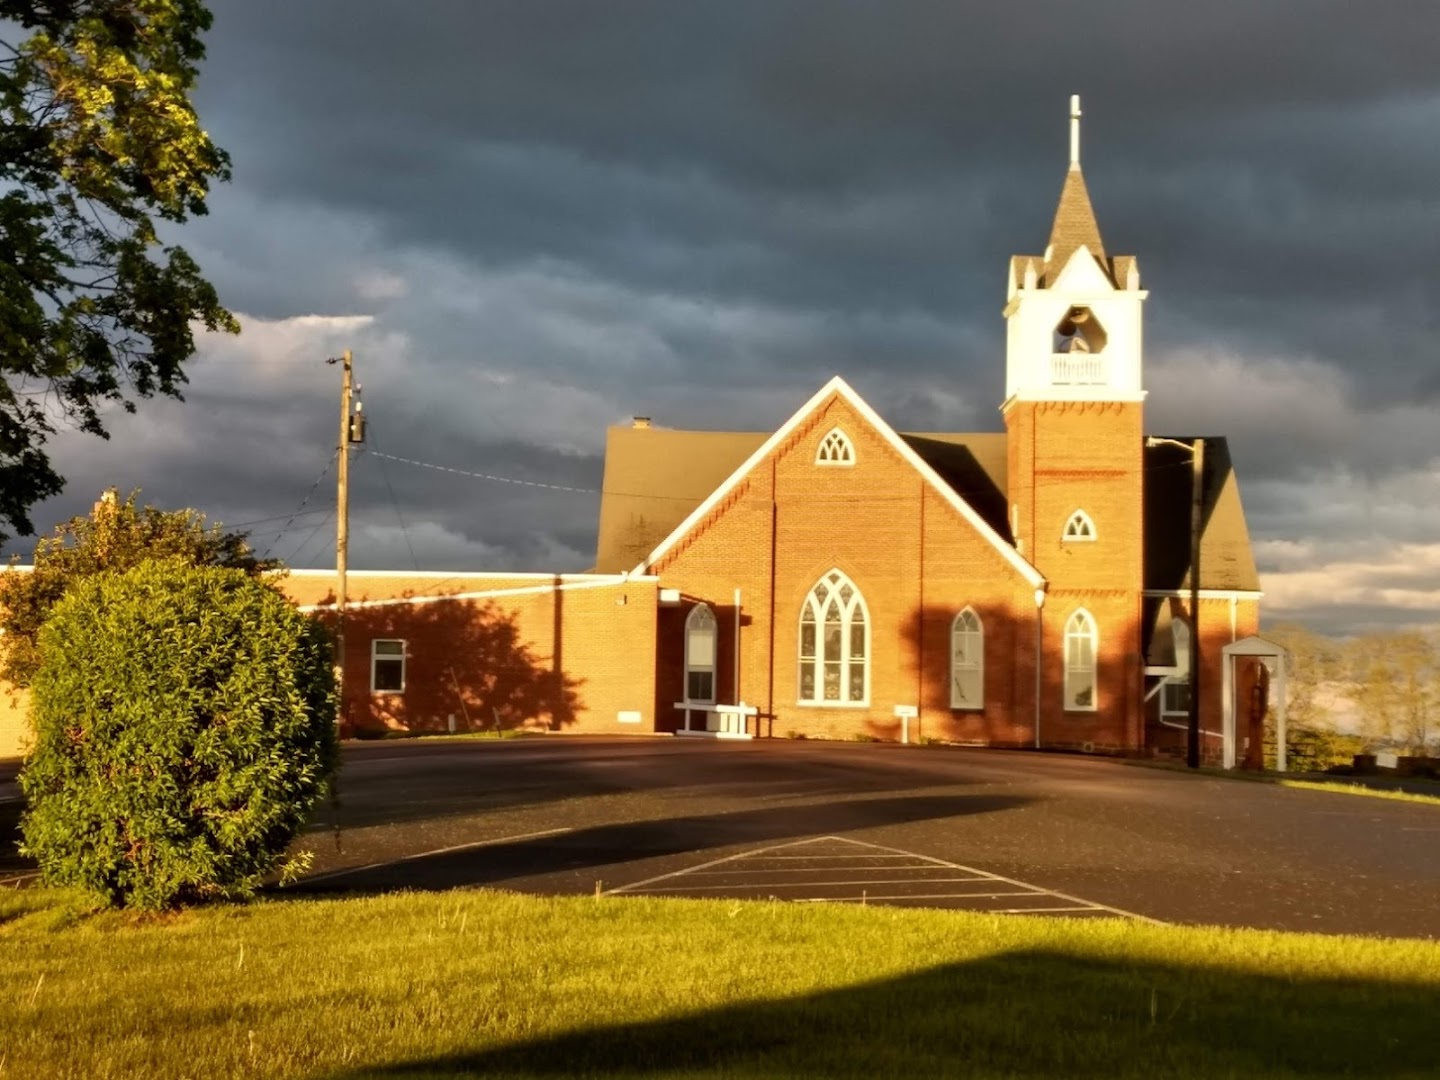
point(1274, 656)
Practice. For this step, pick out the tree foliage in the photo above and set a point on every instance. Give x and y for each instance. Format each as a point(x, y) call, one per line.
point(184, 723)
point(98, 141)
point(116, 536)
point(1380, 689)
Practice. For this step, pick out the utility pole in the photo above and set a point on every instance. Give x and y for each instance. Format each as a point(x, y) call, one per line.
point(1196, 447)
point(1197, 495)
point(342, 518)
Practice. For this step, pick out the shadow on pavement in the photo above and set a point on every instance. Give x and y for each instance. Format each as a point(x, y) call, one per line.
point(1026, 1014)
point(618, 844)
point(426, 782)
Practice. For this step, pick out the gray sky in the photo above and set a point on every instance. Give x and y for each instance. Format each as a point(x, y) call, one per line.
point(534, 219)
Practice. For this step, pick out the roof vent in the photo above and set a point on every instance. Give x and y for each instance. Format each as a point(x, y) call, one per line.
point(640, 422)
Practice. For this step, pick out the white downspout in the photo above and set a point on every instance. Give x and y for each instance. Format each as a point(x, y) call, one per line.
point(1039, 621)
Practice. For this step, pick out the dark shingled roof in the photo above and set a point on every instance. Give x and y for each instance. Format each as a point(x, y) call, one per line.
point(1226, 561)
point(1074, 227)
point(655, 477)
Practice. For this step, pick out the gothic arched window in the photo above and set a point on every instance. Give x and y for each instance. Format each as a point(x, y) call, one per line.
point(967, 661)
point(700, 654)
point(834, 644)
point(835, 449)
point(1081, 647)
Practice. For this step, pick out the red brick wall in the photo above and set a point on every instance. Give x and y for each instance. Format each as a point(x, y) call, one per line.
point(1215, 633)
point(917, 563)
point(567, 658)
point(1068, 456)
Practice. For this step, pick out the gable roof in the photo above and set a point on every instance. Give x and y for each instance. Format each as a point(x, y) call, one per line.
point(1226, 559)
point(655, 479)
point(838, 387)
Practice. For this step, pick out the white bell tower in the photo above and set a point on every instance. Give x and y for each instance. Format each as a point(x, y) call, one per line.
point(1073, 314)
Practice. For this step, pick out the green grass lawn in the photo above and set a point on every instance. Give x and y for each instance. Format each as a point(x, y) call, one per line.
point(1344, 788)
point(495, 984)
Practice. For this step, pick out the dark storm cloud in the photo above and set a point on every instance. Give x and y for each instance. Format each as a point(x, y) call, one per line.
point(557, 214)
point(1271, 161)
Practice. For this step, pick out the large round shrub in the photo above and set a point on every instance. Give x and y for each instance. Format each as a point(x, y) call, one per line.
point(185, 727)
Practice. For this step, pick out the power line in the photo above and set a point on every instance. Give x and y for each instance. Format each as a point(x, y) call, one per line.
point(489, 476)
point(264, 520)
point(298, 509)
point(618, 494)
point(304, 544)
point(404, 530)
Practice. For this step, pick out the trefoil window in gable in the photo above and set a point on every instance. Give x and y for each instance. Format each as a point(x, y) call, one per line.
point(835, 449)
point(1079, 527)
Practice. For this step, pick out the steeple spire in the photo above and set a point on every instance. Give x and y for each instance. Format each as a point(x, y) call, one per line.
point(1075, 223)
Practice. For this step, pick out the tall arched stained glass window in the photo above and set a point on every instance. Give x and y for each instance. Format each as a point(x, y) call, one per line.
point(834, 644)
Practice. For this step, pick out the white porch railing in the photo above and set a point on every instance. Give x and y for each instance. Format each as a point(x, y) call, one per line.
point(721, 721)
point(1077, 369)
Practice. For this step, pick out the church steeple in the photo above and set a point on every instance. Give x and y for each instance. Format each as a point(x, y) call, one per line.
point(1075, 224)
point(1074, 312)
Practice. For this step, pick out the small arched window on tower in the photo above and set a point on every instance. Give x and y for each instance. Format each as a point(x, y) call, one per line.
point(1079, 527)
point(835, 449)
point(967, 661)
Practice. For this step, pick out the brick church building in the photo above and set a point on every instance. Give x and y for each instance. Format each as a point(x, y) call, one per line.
point(837, 578)
point(1017, 588)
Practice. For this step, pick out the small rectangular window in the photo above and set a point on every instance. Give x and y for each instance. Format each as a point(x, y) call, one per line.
point(1175, 698)
point(387, 666)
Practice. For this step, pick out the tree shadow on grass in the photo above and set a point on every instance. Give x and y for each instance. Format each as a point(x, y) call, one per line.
point(586, 850)
point(1034, 1014)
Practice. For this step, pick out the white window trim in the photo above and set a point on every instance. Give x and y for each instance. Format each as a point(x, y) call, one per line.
point(839, 439)
point(403, 657)
point(979, 632)
point(857, 602)
point(1094, 635)
point(1084, 519)
point(1172, 680)
point(690, 621)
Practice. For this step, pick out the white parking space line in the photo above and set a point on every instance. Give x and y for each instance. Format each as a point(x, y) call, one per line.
point(827, 884)
point(835, 872)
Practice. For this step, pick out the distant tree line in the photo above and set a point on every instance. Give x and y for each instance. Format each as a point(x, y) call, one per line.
point(1364, 693)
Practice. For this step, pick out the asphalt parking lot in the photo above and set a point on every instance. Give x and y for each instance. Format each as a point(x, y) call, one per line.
point(862, 823)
